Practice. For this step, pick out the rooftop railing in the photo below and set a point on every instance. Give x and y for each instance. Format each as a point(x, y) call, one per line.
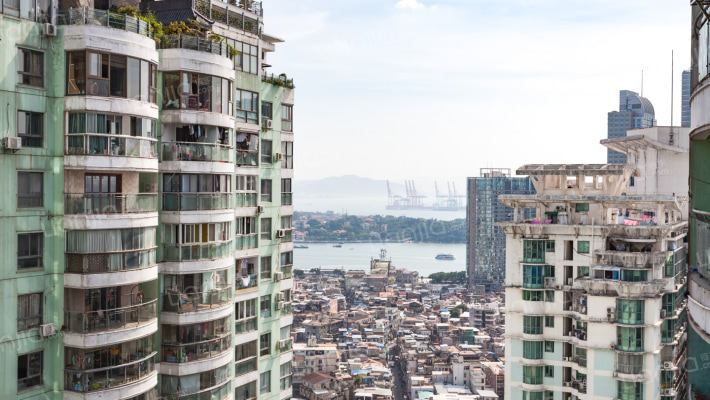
point(90, 16)
point(192, 42)
point(233, 16)
point(279, 80)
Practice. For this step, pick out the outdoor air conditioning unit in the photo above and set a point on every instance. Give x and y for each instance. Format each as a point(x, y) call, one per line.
point(610, 310)
point(682, 281)
point(663, 313)
point(279, 305)
point(282, 296)
point(278, 156)
point(565, 358)
point(259, 209)
point(667, 392)
point(49, 30)
point(567, 384)
point(12, 143)
point(47, 330)
point(283, 344)
point(667, 365)
point(268, 124)
point(613, 346)
point(615, 374)
point(278, 276)
point(281, 233)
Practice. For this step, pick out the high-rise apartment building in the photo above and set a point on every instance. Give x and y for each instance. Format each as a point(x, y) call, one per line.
point(143, 167)
point(485, 257)
point(635, 112)
point(698, 366)
point(596, 282)
point(685, 100)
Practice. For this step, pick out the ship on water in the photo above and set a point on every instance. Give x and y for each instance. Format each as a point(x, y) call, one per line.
point(445, 256)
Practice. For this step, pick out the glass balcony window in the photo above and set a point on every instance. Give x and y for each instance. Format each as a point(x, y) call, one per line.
point(210, 152)
point(532, 375)
point(188, 301)
point(629, 363)
point(110, 75)
point(110, 203)
point(534, 251)
point(198, 92)
point(533, 350)
point(197, 201)
point(204, 382)
point(99, 251)
point(630, 390)
point(245, 358)
point(630, 312)
point(629, 339)
point(109, 319)
point(532, 325)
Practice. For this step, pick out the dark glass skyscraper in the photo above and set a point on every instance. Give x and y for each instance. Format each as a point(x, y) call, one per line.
point(635, 112)
point(485, 257)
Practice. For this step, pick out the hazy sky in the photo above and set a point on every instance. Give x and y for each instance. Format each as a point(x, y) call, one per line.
point(395, 89)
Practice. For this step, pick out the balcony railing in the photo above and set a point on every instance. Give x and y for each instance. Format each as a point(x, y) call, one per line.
point(288, 235)
point(109, 377)
point(96, 263)
point(212, 393)
point(244, 366)
point(105, 320)
point(245, 325)
point(629, 368)
point(246, 199)
point(90, 16)
point(581, 361)
point(110, 203)
point(197, 201)
point(286, 199)
point(184, 151)
point(247, 241)
point(192, 252)
point(203, 350)
point(232, 16)
point(287, 271)
point(248, 158)
point(279, 80)
point(110, 145)
point(191, 302)
point(191, 42)
point(247, 282)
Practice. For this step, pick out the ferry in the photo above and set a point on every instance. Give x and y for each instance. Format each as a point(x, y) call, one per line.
point(300, 246)
point(338, 245)
point(445, 256)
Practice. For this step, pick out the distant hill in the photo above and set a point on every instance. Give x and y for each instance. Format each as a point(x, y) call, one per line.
point(344, 186)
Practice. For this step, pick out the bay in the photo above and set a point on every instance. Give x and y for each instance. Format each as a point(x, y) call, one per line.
point(412, 256)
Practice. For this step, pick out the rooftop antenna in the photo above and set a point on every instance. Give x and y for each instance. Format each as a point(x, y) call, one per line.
point(671, 91)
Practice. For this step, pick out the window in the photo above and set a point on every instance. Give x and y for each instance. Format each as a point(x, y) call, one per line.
point(30, 127)
point(193, 91)
point(534, 251)
point(267, 110)
point(582, 271)
point(532, 325)
point(629, 339)
point(30, 189)
point(247, 106)
point(265, 344)
point(266, 228)
point(265, 263)
point(550, 296)
point(287, 259)
point(581, 207)
point(630, 275)
point(533, 295)
point(532, 375)
point(266, 190)
point(632, 181)
point(286, 186)
point(549, 321)
point(265, 306)
point(196, 183)
point(246, 226)
point(583, 247)
point(245, 392)
point(287, 150)
point(30, 248)
point(266, 151)
point(29, 370)
point(630, 312)
point(549, 246)
point(29, 311)
point(549, 371)
point(246, 183)
point(629, 390)
point(533, 276)
point(285, 374)
point(30, 67)
point(247, 61)
point(532, 395)
point(287, 118)
point(265, 382)
point(532, 350)
point(549, 346)
point(629, 363)
point(287, 222)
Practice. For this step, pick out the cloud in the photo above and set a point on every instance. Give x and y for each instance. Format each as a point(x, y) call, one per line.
point(411, 4)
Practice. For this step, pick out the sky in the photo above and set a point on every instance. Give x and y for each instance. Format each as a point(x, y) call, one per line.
point(437, 89)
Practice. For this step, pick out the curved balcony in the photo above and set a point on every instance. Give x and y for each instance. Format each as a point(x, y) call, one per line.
point(110, 152)
point(198, 351)
point(250, 241)
point(247, 282)
point(245, 325)
point(198, 301)
point(93, 380)
point(197, 201)
point(109, 203)
point(113, 319)
point(90, 16)
point(194, 252)
point(247, 158)
point(217, 392)
point(178, 156)
point(84, 270)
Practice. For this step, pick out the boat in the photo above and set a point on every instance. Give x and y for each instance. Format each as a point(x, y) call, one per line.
point(445, 256)
point(337, 245)
point(300, 246)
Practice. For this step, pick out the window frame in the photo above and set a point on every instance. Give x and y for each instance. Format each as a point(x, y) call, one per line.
point(583, 247)
point(39, 255)
point(287, 117)
point(264, 233)
point(24, 315)
point(30, 195)
point(267, 190)
point(27, 136)
point(265, 267)
point(265, 344)
point(28, 367)
point(21, 74)
point(265, 306)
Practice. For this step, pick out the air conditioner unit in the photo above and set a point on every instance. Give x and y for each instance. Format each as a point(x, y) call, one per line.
point(565, 358)
point(682, 280)
point(12, 143)
point(282, 296)
point(278, 156)
point(278, 276)
point(283, 344)
point(267, 124)
point(281, 233)
point(567, 384)
point(47, 330)
point(549, 282)
point(279, 305)
point(615, 374)
point(49, 30)
point(613, 346)
point(569, 281)
point(667, 365)
point(667, 392)
point(610, 310)
point(663, 313)
point(259, 209)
